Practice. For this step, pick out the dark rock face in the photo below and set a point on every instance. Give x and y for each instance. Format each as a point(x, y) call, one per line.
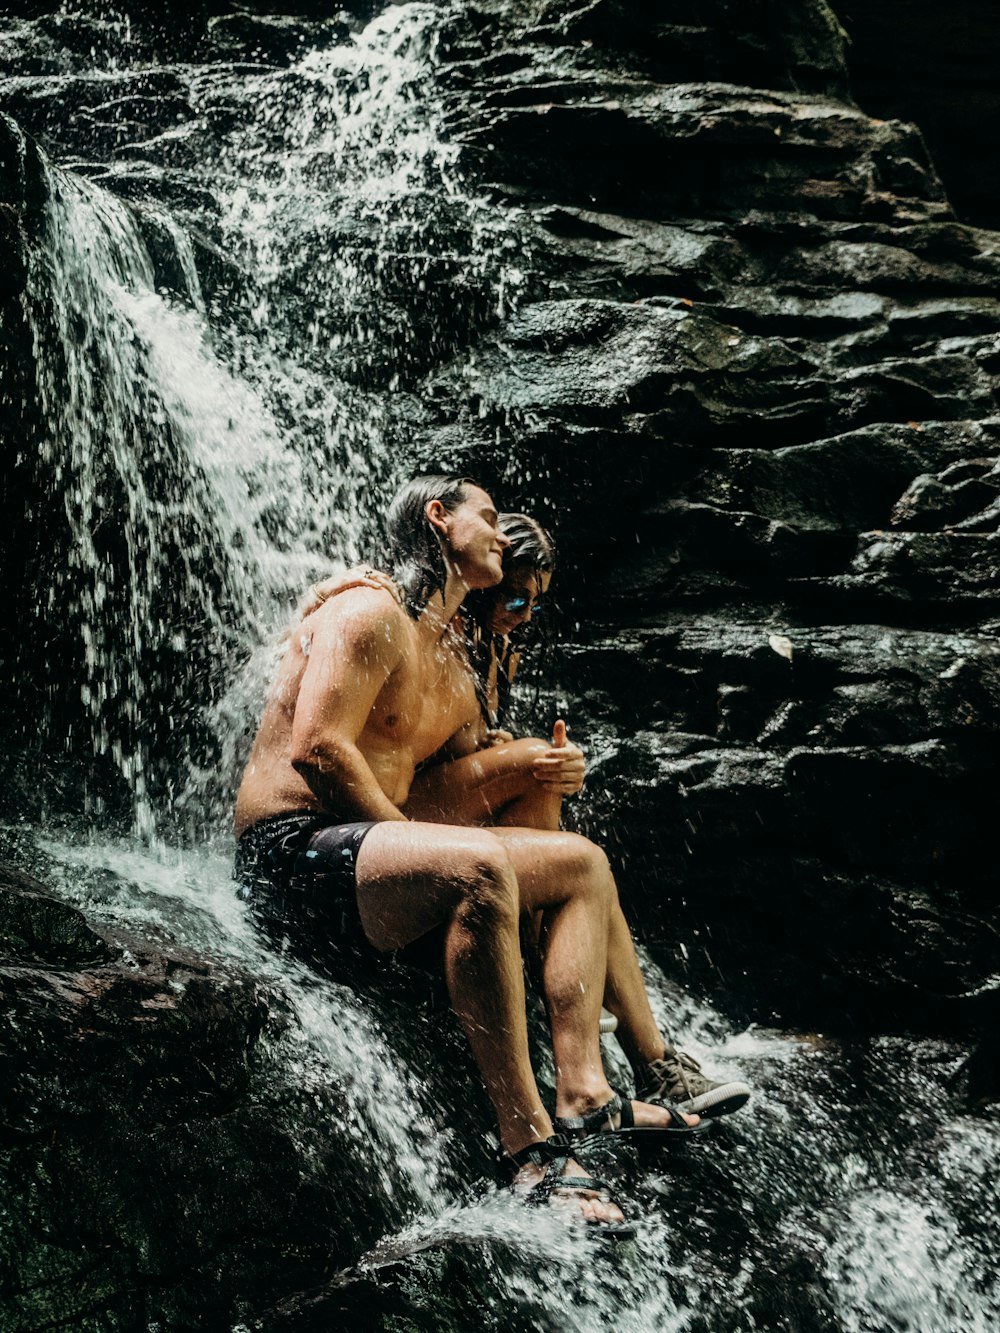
point(756, 384)
point(157, 1165)
point(906, 64)
point(126, 1065)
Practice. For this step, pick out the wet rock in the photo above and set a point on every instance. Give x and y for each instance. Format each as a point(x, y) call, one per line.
point(277, 39)
point(766, 45)
point(939, 76)
point(953, 568)
point(96, 117)
point(157, 1164)
point(963, 496)
point(719, 810)
point(36, 929)
point(718, 150)
point(981, 1073)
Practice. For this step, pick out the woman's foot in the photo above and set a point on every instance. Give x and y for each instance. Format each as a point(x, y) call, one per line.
point(633, 1119)
point(678, 1079)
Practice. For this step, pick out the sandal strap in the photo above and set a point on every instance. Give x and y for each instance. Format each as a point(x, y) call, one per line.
point(580, 1183)
point(553, 1184)
point(553, 1154)
point(676, 1117)
point(545, 1152)
point(599, 1120)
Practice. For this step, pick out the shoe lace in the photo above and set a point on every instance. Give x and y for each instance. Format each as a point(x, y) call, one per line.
point(673, 1069)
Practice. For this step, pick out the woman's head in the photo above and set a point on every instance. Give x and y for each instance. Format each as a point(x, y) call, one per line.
point(528, 565)
point(439, 519)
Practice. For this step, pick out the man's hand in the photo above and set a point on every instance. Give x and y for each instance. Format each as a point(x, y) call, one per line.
point(563, 766)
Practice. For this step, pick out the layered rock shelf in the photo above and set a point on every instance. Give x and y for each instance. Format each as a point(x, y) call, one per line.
point(744, 361)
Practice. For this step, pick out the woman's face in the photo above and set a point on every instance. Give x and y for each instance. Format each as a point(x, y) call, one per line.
point(516, 597)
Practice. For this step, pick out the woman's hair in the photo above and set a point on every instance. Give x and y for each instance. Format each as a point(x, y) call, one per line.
point(413, 547)
point(530, 544)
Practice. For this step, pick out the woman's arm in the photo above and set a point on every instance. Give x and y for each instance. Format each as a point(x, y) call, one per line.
point(360, 576)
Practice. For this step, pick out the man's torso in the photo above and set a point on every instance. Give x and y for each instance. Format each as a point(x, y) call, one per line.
point(427, 698)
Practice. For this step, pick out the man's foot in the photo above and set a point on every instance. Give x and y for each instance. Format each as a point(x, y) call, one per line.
point(546, 1173)
point(677, 1080)
point(632, 1120)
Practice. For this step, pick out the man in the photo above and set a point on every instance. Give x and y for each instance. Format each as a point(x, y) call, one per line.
point(369, 688)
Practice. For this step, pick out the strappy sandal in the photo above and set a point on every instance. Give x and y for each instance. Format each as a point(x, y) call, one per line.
point(602, 1121)
point(554, 1155)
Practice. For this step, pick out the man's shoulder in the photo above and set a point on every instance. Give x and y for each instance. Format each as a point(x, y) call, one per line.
point(361, 612)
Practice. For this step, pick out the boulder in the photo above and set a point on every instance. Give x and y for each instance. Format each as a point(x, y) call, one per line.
point(163, 1158)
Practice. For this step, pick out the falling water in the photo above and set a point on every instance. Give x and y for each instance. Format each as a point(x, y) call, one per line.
point(165, 463)
point(210, 460)
point(213, 462)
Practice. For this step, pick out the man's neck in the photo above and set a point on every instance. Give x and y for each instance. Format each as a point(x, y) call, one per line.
point(442, 607)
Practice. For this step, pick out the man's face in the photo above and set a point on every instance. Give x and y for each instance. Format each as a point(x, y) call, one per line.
point(474, 544)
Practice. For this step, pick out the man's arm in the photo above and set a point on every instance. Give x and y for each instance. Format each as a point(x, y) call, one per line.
point(355, 648)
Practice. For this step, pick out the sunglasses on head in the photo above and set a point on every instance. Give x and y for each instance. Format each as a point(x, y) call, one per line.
point(520, 602)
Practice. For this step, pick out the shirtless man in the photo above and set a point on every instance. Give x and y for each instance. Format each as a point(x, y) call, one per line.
point(369, 688)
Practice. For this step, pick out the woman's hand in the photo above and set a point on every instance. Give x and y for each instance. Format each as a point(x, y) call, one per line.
point(495, 736)
point(563, 766)
point(361, 576)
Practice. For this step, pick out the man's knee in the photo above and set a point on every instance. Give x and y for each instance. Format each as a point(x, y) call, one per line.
point(588, 861)
point(488, 889)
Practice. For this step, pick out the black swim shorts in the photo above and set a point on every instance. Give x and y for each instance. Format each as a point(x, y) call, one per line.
point(297, 873)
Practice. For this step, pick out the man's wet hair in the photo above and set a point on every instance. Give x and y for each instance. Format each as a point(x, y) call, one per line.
point(413, 547)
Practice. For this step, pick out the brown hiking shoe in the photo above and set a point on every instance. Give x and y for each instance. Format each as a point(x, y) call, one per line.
point(677, 1080)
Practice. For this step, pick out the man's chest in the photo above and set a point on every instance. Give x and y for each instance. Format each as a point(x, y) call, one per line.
point(428, 702)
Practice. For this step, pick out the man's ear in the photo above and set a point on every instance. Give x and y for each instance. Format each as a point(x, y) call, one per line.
point(436, 515)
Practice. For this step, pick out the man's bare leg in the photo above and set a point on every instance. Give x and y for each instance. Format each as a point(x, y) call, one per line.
point(568, 878)
point(412, 877)
point(500, 780)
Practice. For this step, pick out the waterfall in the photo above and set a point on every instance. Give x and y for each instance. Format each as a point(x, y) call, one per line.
point(212, 464)
point(202, 459)
point(165, 465)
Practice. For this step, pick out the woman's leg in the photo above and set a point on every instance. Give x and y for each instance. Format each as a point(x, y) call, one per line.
point(497, 786)
point(555, 871)
point(625, 996)
point(492, 786)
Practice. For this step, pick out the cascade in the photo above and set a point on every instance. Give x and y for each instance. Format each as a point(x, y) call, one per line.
point(226, 392)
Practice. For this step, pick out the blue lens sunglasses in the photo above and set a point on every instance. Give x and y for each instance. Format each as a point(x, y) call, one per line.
point(519, 602)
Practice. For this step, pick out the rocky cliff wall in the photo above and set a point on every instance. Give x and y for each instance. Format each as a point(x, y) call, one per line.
point(756, 379)
point(751, 381)
point(909, 61)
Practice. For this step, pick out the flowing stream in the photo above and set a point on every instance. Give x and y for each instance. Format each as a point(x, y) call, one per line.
point(213, 454)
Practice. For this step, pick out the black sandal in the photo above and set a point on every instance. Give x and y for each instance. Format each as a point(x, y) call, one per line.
point(553, 1155)
point(601, 1121)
